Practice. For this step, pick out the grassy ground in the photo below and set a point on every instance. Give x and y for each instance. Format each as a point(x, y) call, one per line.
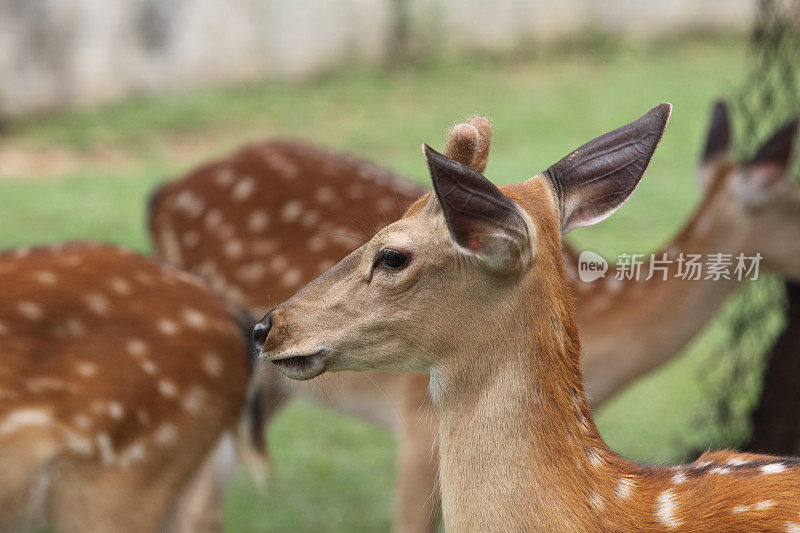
point(85, 175)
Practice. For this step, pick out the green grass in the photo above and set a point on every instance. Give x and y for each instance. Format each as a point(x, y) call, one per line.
point(333, 473)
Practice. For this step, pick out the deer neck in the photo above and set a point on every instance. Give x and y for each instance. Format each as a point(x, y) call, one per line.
point(655, 319)
point(515, 431)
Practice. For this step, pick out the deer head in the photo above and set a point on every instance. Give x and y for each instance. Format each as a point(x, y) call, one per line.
point(458, 264)
point(753, 204)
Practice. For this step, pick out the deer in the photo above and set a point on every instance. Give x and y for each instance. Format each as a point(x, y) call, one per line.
point(741, 211)
point(750, 207)
point(469, 286)
point(127, 389)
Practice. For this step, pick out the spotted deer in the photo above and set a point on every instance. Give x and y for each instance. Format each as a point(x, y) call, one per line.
point(470, 287)
point(123, 393)
point(260, 224)
point(741, 212)
point(750, 207)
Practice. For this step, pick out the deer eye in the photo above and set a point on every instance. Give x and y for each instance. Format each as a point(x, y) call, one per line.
point(391, 259)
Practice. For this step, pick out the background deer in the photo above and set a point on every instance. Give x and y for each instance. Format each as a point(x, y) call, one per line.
point(123, 391)
point(469, 285)
point(751, 208)
point(191, 223)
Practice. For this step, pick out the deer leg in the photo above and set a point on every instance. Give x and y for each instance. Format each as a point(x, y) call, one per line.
point(200, 508)
point(24, 476)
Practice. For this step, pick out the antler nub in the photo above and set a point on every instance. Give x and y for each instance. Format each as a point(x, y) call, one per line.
point(468, 143)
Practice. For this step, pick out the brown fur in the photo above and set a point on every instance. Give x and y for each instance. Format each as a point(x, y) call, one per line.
point(119, 378)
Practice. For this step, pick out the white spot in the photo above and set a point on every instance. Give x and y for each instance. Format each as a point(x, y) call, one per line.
point(720, 470)
point(71, 260)
point(115, 410)
point(192, 401)
point(191, 204)
point(258, 221)
point(244, 189)
point(324, 195)
point(292, 277)
point(213, 218)
point(78, 443)
point(167, 389)
point(286, 168)
point(24, 418)
point(595, 459)
point(310, 218)
point(758, 506)
point(30, 310)
point(45, 277)
point(316, 243)
point(764, 505)
point(132, 454)
point(43, 383)
point(167, 326)
point(136, 347)
point(596, 501)
point(224, 177)
point(792, 527)
point(105, 447)
point(679, 478)
point(701, 465)
point(86, 369)
point(75, 327)
point(165, 434)
point(291, 211)
point(148, 367)
point(120, 286)
point(190, 239)
point(97, 303)
point(234, 249)
point(24, 251)
point(737, 461)
point(212, 364)
point(667, 508)
point(194, 318)
point(773, 468)
point(624, 487)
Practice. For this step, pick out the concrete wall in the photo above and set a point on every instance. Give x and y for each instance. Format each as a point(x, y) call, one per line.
point(64, 53)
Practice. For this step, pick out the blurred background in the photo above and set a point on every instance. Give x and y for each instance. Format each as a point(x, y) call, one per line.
point(100, 101)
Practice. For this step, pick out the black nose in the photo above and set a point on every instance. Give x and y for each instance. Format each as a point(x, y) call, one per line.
point(261, 332)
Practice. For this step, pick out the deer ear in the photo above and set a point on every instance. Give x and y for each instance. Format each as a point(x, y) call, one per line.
point(597, 178)
point(767, 169)
point(718, 138)
point(482, 221)
point(718, 142)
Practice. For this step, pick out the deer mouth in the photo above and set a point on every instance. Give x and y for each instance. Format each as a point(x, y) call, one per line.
point(303, 366)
